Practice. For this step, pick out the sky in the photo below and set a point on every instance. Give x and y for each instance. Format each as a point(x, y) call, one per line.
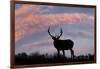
point(32, 22)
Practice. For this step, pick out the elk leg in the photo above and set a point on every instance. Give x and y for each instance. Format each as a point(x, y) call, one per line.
point(72, 53)
point(63, 52)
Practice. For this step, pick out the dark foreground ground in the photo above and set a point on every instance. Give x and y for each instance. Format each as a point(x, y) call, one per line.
point(36, 58)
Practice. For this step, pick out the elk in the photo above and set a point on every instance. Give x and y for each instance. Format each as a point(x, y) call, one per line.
point(62, 45)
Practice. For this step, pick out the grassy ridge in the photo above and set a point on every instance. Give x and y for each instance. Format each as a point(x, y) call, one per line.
point(36, 58)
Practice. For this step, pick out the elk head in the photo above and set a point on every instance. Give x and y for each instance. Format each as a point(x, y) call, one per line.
point(57, 36)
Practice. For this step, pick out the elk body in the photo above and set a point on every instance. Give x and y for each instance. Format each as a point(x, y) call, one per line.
point(62, 45)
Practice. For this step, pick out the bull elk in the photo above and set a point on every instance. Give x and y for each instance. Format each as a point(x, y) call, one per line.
point(62, 45)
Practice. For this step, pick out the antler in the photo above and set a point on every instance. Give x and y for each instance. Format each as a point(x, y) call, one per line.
point(49, 31)
point(60, 33)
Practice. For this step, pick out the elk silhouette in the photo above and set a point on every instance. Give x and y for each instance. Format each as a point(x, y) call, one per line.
point(62, 45)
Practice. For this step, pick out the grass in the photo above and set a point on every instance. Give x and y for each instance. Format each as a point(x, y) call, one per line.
point(36, 58)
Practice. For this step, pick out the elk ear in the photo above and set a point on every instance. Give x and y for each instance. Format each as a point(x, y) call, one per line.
point(53, 38)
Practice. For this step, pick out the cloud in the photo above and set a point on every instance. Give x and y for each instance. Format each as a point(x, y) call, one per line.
point(30, 9)
point(38, 44)
point(27, 23)
point(80, 34)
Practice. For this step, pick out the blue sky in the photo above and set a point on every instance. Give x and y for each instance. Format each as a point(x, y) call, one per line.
point(32, 22)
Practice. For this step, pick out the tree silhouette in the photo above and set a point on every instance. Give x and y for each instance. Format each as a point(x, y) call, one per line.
point(36, 58)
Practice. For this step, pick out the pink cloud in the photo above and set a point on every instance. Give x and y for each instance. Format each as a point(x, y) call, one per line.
point(30, 23)
point(34, 45)
point(26, 9)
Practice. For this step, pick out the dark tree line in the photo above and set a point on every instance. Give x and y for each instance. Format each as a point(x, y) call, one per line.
point(36, 58)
